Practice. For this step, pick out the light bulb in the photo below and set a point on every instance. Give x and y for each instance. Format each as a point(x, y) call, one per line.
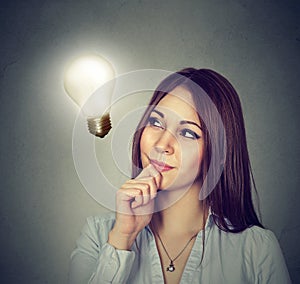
point(82, 78)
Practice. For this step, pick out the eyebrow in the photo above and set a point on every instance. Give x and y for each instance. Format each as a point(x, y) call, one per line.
point(190, 122)
point(181, 122)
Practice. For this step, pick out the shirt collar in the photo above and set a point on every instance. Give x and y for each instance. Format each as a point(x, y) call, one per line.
point(209, 219)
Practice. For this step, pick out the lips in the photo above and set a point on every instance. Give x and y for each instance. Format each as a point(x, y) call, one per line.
point(160, 166)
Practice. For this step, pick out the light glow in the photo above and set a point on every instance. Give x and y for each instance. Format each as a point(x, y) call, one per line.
point(84, 76)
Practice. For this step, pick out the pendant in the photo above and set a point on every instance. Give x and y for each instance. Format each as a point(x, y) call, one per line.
point(171, 267)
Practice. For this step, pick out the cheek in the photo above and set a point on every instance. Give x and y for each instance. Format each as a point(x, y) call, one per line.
point(149, 138)
point(142, 142)
point(191, 160)
point(145, 145)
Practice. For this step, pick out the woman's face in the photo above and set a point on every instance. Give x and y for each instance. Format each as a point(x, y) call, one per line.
point(173, 140)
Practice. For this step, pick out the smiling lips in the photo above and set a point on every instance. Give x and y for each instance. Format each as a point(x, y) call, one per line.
point(160, 166)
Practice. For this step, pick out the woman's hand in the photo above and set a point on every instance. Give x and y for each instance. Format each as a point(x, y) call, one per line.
point(135, 205)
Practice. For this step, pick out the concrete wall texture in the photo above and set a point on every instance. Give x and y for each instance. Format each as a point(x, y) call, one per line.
point(255, 44)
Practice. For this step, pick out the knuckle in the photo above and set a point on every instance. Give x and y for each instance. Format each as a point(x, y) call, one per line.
point(146, 186)
point(153, 182)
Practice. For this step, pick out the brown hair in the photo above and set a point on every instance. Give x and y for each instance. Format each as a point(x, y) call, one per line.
point(231, 198)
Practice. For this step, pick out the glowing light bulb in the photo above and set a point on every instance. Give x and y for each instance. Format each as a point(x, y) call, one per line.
point(82, 78)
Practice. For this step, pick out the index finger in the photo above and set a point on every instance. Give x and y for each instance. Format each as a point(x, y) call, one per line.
point(150, 171)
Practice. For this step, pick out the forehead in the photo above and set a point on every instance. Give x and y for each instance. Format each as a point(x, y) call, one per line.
point(179, 102)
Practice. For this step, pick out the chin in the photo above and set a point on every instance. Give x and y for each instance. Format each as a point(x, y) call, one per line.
point(167, 186)
point(177, 186)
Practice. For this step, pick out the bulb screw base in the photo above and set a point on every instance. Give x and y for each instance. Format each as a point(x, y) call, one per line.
point(99, 126)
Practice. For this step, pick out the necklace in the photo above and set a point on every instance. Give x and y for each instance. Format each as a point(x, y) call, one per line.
point(171, 266)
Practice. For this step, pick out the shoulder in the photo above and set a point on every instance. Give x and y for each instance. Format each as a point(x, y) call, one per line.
point(257, 251)
point(264, 255)
point(258, 235)
point(261, 251)
point(253, 240)
point(254, 244)
point(259, 241)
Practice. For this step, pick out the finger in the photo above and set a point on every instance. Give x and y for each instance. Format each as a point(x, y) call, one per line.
point(144, 186)
point(156, 174)
point(145, 210)
point(149, 181)
point(138, 201)
point(124, 198)
point(150, 171)
point(146, 172)
point(127, 194)
point(133, 196)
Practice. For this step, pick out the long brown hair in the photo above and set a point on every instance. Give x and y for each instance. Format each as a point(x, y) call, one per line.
point(231, 198)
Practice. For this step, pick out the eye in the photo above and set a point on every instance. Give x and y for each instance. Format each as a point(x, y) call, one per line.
point(153, 121)
point(189, 134)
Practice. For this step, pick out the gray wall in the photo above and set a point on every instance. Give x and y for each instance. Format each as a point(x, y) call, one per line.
point(43, 204)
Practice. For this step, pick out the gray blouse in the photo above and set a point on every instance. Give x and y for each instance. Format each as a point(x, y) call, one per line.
point(252, 256)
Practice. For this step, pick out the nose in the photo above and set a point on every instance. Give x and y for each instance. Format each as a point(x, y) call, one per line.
point(165, 143)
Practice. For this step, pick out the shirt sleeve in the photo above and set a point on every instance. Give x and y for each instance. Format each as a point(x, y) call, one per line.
point(271, 265)
point(95, 262)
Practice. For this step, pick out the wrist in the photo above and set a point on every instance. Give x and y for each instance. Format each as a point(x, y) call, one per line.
point(121, 241)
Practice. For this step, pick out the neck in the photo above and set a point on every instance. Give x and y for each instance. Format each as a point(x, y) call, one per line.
point(184, 217)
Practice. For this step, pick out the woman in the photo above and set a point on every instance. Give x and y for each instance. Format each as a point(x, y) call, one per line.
point(173, 225)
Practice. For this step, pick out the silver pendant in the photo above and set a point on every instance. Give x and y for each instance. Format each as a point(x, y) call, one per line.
point(171, 267)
